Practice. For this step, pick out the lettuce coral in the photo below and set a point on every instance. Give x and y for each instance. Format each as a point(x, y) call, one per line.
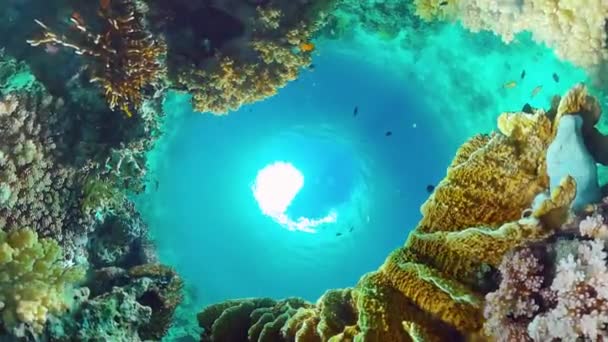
point(433, 287)
point(33, 281)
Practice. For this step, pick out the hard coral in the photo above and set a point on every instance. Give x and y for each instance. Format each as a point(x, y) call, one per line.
point(37, 189)
point(576, 30)
point(432, 288)
point(257, 52)
point(33, 282)
point(124, 56)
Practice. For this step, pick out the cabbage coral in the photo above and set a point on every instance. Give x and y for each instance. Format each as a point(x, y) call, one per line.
point(32, 279)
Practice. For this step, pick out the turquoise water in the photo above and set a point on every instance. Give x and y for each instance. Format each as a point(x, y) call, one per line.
point(209, 226)
point(203, 215)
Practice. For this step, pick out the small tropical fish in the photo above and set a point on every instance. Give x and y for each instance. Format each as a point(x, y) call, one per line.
point(356, 111)
point(338, 234)
point(388, 133)
point(555, 77)
point(430, 188)
point(527, 109)
point(509, 85)
point(311, 67)
point(443, 3)
point(523, 74)
point(351, 229)
point(536, 90)
point(307, 47)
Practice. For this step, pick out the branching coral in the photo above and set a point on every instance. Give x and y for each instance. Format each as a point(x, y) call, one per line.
point(580, 287)
point(33, 280)
point(510, 309)
point(576, 30)
point(124, 56)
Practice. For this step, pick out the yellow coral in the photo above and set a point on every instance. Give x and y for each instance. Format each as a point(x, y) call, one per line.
point(432, 288)
point(430, 10)
point(32, 280)
point(506, 173)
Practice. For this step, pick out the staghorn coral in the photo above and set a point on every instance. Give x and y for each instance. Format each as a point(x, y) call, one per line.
point(256, 53)
point(33, 280)
point(491, 201)
point(576, 30)
point(124, 56)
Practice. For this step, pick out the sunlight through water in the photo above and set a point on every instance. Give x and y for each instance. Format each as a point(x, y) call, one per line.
point(275, 187)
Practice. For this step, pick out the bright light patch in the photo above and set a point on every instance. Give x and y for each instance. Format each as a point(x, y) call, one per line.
point(275, 186)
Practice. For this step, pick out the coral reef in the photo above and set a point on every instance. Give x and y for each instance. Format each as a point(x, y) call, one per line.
point(575, 30)
point(124, 57)
point(126, 305)
point(258, 49)
point(37, 189)
point(33, 281)
point(65, 173)
point(494, 199)
point(555, 290)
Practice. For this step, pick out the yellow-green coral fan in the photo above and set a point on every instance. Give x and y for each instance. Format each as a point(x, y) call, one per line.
point(32, 279)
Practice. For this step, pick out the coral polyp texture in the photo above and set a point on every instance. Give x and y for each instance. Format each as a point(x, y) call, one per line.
point(496, 198)
point(569, 301)
point(123, 57)
point(260, 47)
point(575, 30)
point(33, 280)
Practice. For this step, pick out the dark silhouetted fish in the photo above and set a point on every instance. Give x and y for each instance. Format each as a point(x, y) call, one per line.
point(351, 229)
point(527, 109)
point(443, 3)
point(523, 74)
point(430, 188)
point(555, 77)
point(356, 111)
point(338, 234)
point(388, 133)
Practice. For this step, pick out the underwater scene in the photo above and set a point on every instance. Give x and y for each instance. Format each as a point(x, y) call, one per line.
point(303, 170)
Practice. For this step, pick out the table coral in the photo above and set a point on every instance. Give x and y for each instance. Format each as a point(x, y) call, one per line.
point(433, 287)
point(576, 30)
point(33, 280)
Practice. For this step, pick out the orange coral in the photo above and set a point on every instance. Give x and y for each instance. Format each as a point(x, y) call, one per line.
point(125, 58)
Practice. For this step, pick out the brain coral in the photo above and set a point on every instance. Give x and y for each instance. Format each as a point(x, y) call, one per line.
point(433, 287)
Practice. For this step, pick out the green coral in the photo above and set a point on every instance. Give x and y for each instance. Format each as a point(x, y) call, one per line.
point(32, 279)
